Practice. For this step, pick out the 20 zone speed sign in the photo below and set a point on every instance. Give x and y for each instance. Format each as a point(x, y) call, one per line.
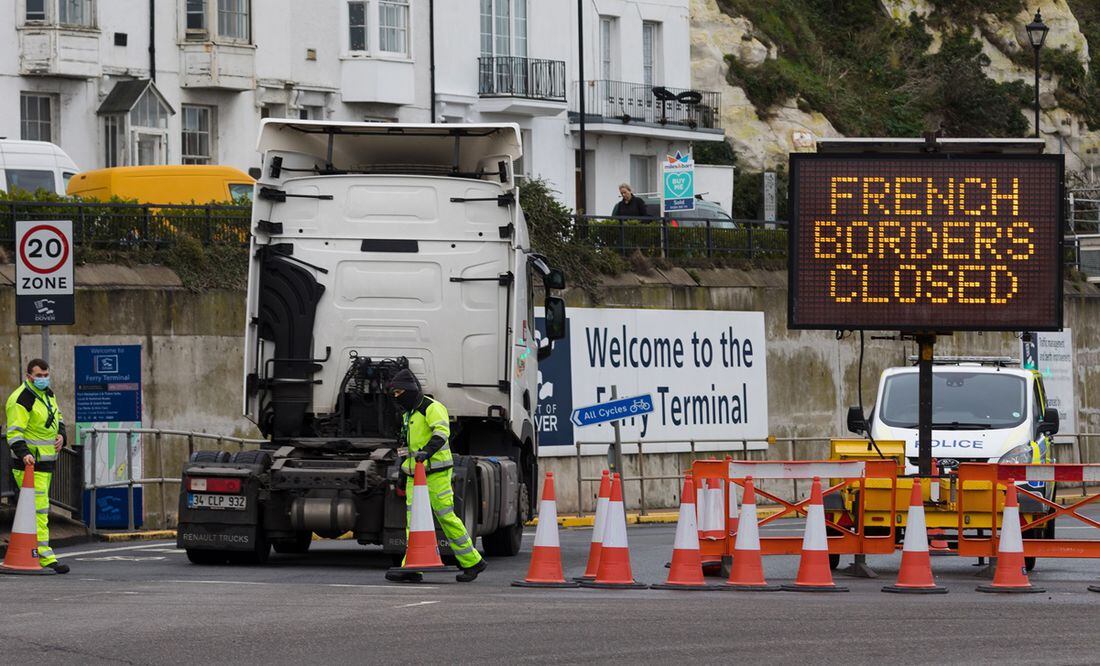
point(44, 273)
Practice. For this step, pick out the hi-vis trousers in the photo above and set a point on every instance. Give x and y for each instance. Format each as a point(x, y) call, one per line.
point(443, 506)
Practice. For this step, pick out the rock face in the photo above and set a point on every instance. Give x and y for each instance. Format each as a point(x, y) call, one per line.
point(764, 142)
point(760, 143)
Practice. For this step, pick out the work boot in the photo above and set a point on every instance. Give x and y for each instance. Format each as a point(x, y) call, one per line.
point(404, 576)
point(58, 567)
point(469, 575)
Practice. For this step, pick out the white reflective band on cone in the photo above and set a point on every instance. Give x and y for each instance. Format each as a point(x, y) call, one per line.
point(700, 504)
point(798, 470)
point(1011, 539)
point(25, 522)
point(687, 532)
point(421, 511)
point(614, 534)
point(815, 538)
point(714, 517)
point(733, 501)
point(748, 533)
point(916, 531)
point(546, 534)
point(600, 526)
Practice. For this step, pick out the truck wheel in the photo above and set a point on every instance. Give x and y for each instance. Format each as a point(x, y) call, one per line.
point(205, 557)
point(834, 561)
point(210, 457)
point(300, 544)
point(506, 541)
point(262, 458)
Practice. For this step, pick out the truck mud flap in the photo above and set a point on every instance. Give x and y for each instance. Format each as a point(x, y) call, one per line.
point(216, 536)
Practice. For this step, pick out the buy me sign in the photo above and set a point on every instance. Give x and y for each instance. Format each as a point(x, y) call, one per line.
point(44, 272)
point(926, 242)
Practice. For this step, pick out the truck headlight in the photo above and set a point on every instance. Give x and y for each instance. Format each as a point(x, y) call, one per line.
point(1020, 455)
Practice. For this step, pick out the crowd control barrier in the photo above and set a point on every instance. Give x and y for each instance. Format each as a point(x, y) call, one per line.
point(839, 475)
point(977, 479)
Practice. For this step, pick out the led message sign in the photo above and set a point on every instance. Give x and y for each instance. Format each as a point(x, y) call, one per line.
point(936, 242)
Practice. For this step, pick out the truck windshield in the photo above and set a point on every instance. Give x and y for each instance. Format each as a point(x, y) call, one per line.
point(960, 400)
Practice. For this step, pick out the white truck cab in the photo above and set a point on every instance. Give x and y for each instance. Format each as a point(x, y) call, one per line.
point(983, 410)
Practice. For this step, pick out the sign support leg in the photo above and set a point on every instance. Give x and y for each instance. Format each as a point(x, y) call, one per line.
point(924, 413)
point(46, 343)
point(615, 452)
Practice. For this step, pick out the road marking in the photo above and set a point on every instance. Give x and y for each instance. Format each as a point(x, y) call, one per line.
point(419, 603)
point(387, 587)
point(112, 550)
point(216, 582)
point(12, 617)
point(121, 558)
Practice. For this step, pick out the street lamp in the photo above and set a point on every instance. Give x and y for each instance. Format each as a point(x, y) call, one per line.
point(1037, 34)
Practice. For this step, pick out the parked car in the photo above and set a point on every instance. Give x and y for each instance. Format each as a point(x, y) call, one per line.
point(33, 166)
point(171, 184)
point(704, 210)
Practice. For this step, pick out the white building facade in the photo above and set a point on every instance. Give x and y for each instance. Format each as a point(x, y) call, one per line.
point(198, 76)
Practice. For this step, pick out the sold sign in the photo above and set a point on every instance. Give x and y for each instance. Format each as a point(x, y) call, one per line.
point(44, 272)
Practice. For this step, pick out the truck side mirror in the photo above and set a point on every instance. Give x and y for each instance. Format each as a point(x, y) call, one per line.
point(856, 423)
point(1049, 425)
point(555, 279)
point(554, 317)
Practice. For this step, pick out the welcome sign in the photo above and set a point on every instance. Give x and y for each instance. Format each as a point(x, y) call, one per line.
point(706, 372)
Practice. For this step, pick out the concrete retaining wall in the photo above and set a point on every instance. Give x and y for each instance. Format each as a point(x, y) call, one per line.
point(192, 358)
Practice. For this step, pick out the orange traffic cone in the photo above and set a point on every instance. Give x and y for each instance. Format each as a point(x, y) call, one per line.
point(936, 546)
point(712, 529)
point(686, 571)
point(1010, 575)
point(915, 575)
point(22, 555)
point(701, 499)
point(614, 570)
point(814, 574)
point(545, 569)
point(422, 551)
point(747, 572)
point(602, 501)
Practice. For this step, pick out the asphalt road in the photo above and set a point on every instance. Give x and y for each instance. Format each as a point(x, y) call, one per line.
point(144, 603)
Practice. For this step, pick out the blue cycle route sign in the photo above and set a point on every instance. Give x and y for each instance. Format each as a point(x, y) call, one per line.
point(615, 410)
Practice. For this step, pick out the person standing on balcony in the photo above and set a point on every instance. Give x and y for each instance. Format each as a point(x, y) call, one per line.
point(630, 205)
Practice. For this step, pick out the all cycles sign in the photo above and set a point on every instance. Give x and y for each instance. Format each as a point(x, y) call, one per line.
point(44, 273)
point(926, 242)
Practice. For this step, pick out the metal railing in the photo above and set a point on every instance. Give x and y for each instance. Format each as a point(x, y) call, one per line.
point(628, 102)
point(675, 238)
point(513, 76)
point(122, 225)
point(66, 487)
point(181, 440)
point(739, 450)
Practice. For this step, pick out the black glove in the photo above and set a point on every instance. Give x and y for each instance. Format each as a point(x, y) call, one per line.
point(422, 455)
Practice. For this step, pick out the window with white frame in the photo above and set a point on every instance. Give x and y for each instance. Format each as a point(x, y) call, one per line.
point(650, 34)
point(139, 136)
point(357, 26)
point(233, 19)
point(36, 121)
point(195, 15)
point(393, 26)
point(199, 134)
point(68, 13)
point(504, 28)
point(608, 25)
point(79, 13)
point(643, 173)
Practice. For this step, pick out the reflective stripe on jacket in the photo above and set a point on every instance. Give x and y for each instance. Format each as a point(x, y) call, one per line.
point(33, 423)
point(428, 420)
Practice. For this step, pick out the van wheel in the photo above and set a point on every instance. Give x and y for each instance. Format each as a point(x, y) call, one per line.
point(834, 561)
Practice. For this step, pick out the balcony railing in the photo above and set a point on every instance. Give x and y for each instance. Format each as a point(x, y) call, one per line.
point(511, 76)
point(626, 102)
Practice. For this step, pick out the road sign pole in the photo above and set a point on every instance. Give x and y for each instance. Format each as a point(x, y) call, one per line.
point(924, 406)
point(46, 344)
point(615, 451)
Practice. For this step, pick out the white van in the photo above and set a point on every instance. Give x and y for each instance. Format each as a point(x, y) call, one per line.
point(34, 165)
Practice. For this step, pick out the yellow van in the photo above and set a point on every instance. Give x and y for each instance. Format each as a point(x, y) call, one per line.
point(173, 184)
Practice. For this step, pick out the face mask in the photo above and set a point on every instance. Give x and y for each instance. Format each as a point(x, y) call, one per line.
point(42, 383)
point(409, 400)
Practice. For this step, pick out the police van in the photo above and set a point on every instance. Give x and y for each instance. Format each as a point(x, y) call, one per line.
point(984, 410)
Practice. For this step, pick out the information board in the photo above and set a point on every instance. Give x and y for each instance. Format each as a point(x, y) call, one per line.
point(933, 243)
point(108, 383)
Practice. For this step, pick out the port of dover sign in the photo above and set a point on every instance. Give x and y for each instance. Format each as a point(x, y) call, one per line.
point(705, 372)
